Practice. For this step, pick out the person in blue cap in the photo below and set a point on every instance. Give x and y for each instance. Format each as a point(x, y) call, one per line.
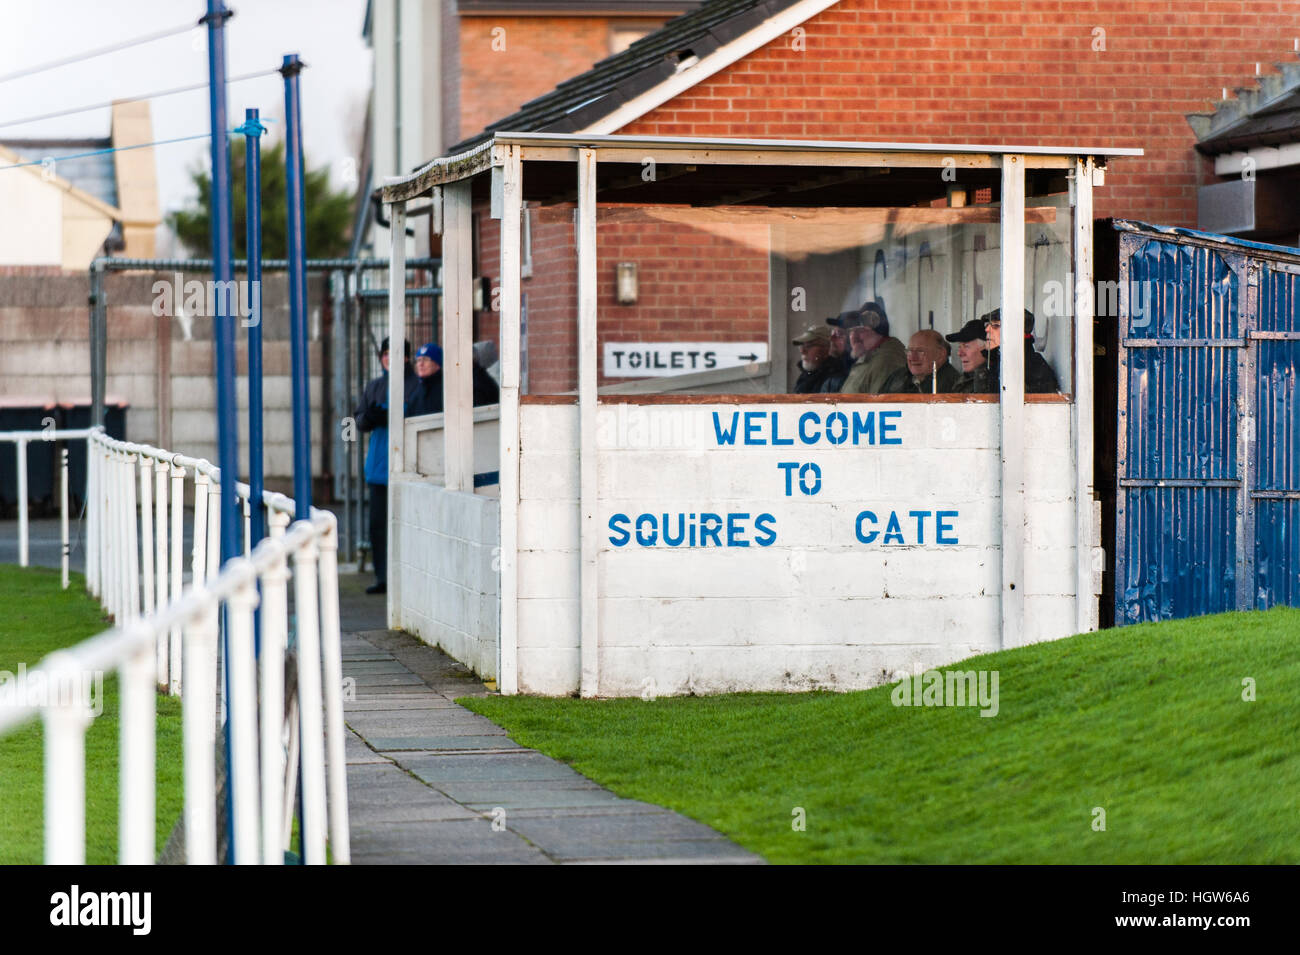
point(426, 396)
point(372, 415)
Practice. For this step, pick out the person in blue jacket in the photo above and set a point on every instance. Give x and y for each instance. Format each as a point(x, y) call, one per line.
point(372, 415)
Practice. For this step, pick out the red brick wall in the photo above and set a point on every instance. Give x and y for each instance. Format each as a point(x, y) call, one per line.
point(1004, 71)
point(692, 285)
point(540, 53)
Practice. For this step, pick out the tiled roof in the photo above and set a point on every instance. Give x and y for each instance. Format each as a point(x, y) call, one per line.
point(95, 175)
point(1267, 114)
point(578, 102)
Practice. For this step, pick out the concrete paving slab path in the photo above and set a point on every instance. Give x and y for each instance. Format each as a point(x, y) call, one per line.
point(429, 782)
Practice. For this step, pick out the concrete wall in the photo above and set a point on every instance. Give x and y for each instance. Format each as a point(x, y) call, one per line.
point(446, 567)
point(424, 434)
point(45, 352)
point(816, 608)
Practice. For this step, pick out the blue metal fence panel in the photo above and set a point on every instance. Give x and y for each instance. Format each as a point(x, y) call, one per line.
point(1276, 484)
point(1208, 502)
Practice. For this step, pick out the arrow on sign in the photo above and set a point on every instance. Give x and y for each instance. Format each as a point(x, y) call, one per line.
point(748, 357)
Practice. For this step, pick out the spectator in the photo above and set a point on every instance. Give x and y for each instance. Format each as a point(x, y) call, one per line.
point(1039, 377)
point(840, 326)
point(928, 369)
point(971, 353)
point(372, 415)
point(814, 359)
point(876, 355)
point(426, 396)
point(486, 390)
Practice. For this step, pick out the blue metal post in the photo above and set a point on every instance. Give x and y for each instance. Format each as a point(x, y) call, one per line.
point(222, 321)
point(297, 255)
point(252, 130)
point(222, 271)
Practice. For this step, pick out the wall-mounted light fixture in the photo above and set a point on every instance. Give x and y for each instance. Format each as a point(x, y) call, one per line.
point(625, 283)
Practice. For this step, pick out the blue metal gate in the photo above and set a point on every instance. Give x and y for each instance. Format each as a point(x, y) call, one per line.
point(1208, 466)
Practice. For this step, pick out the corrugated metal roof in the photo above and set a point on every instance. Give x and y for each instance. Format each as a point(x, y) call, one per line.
point(586, 8)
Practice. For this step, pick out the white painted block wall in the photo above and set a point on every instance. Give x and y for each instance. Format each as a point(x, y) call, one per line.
point(817, 608)
point(449, 547)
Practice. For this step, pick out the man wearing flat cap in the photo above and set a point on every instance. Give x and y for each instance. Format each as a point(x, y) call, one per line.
point(876, 355)
point(840, 356)
point(815, 364)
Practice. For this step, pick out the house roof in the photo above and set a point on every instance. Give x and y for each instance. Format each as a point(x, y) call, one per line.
point(655, 58)
point(586, 8)
point(1264, 115)
point(94, 175)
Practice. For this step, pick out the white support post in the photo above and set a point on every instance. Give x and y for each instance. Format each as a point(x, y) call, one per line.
point(306, 603)
point(1086, 618)
point(396, 396)
point(21, 446)
point(174, 655)
point(108, 530)
point(458, 346)
point(248, 527)
point(1012, 383)
point(214, 530)
point(199, 720)
point(585, 242)
point(63, 516)
point(332, 669)
point(245, 806)
point(275, 637)
point(508, 641)
point(147, 542)
point(136, 809)
point(122, 476)
point(65, 764)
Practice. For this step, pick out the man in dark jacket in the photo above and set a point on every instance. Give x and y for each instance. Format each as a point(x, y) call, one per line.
point(972, 355)
point(928, 369)
point(815, 364)
point(840, 354)
point(1039, 377)
point(426, 396)
point(372, 415)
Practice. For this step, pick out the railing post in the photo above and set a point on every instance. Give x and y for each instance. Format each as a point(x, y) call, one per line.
point(131, 541)
point(199, 720)
point(136, 809)
point(160, 469)
point(242, 667)
point(275, 637)
point(65, 719)
point(92, 516)
point(331, 656)
point(63, 515)
point(147, 543)
point(21, 446)
point(306, 602)
point(199, 553)
point(116, 540)
point(174, 673)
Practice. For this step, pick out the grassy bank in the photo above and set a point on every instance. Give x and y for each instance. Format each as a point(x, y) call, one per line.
point(1145, 723)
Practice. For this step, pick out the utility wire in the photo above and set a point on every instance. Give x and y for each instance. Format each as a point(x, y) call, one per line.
point(101, 51)
point(101, 152)
point(133, 99)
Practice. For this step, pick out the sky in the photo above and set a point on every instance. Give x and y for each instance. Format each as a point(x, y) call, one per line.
point(325, 33)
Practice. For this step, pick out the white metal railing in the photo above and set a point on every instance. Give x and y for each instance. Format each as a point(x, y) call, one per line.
point(167, 630)
point(20, 440)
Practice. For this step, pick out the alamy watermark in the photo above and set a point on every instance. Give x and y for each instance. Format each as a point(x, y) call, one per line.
point(949, 688)
point(208, 298)
point(42, 689)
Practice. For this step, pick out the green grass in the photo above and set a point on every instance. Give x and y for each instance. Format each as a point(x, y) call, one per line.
point(1146, 722)
point(36, 617)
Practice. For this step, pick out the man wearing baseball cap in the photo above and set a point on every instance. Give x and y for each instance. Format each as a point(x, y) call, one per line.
point(840, 355)
point(877, 356)
point(1039, 377)
point(972, 355)
point(815, 364)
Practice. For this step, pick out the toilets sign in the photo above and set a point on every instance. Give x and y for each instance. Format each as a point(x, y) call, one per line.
point(662, 359)
point(793, 459)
